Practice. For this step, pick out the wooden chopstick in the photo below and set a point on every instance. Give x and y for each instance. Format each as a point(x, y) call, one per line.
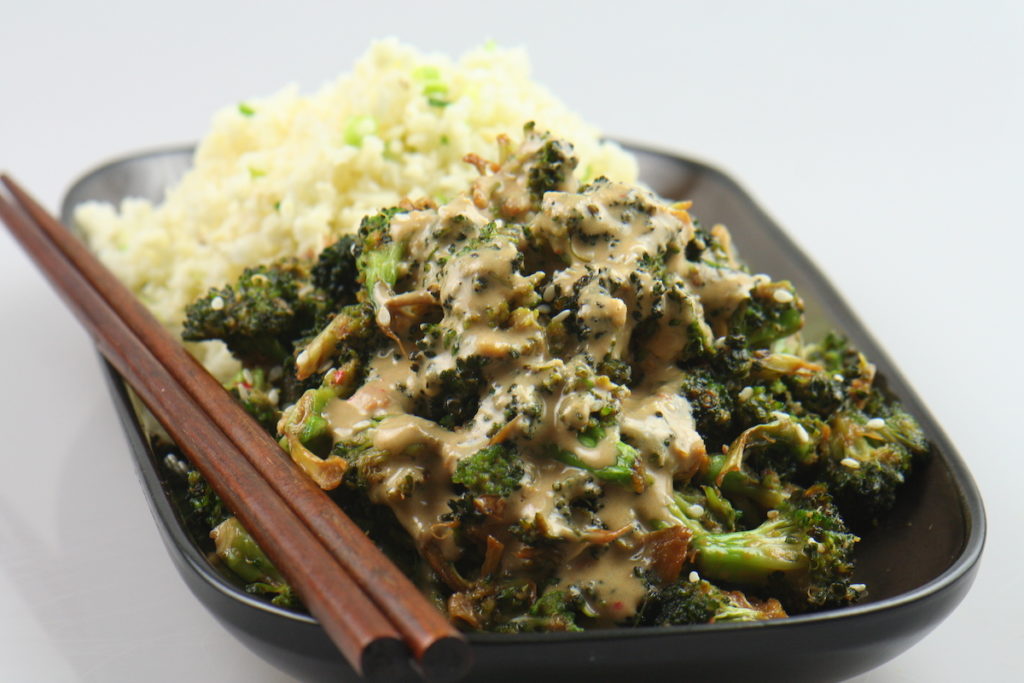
point(369, 642)
point(440, 650)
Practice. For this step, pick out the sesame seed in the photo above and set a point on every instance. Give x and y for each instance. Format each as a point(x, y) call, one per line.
point(694, 577)
point(746, 393)
point(217, 303)
point(802, 434)
point(695, 510)
point(772, 514)
point(783, 296)
point(875, 423)
point(859, 587)
point(850, 462)
point(839, 378)
point(175, 463)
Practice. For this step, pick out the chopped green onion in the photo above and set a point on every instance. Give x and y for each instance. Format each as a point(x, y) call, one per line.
point(357, 128)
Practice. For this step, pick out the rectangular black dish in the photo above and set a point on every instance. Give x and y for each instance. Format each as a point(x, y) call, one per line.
point(918, 565)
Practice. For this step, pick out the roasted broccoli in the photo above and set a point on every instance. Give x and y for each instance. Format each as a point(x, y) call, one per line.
point(867, 459)
point(552, 166)
point(204, 511)
point(237, 549)
point(772, 311)
point(556, 610)
point(205, 508)
point(335, 271)
point(697, 601)
point(259, 316)
point(711, 405)
point(378, 257)
point(454, 397)
point(626, 471)
point(252, 388)
point(352, 329)
point(802, 548)
point(493, 471)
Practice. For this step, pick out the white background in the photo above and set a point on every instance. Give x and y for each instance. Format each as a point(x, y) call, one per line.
point(885, 137)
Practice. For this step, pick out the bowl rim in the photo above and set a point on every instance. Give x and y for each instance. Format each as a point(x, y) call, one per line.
point(968, 494)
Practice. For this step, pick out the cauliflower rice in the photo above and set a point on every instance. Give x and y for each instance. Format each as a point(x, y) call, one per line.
point(288, 174)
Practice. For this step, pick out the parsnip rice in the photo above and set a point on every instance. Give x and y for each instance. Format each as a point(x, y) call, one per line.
point(288, 174)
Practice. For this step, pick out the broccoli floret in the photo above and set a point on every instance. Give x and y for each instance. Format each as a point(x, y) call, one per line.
point(710, 404)
point(817, 392)
point(251, 388)
point(335, 271)
point(455, 396)
point(616, 370)
point(240, 552)
point(493, 471)
point(836, 355)
point(205, 508)
point(258, 316)
point(368, 467)
point(803, 549)
point(200, 506)
point(307, 420)
point(732, 359)
point(380, 523)
point(798, 380)
point(772, 312)
point(626, 471)
point(353, 328)
point(378, 256)
point(786, 445)
point(758, 406)
point(706, 247)
point(553, 164)
point(699, 602)
point(556, 610)
point(846, 365)
point(306, 434)
point(707, 504)
point(868, 459)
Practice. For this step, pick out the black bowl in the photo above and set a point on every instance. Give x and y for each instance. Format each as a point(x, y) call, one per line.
point(918, 565)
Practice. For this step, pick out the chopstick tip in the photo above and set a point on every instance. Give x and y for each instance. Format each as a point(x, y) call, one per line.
point(387, 659)
point(447, 660)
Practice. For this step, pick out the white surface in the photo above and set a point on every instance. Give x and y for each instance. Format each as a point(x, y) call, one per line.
point(886, 138)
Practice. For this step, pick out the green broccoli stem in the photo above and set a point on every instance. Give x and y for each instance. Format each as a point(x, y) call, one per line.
point(381, 265)
point(750, 556)
point(747, 557)
point(624, 471)
point(240, 552)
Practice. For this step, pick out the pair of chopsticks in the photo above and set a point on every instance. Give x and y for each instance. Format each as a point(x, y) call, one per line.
point(377, 618)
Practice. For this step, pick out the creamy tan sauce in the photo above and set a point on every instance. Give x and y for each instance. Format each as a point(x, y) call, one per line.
point(466, 259)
